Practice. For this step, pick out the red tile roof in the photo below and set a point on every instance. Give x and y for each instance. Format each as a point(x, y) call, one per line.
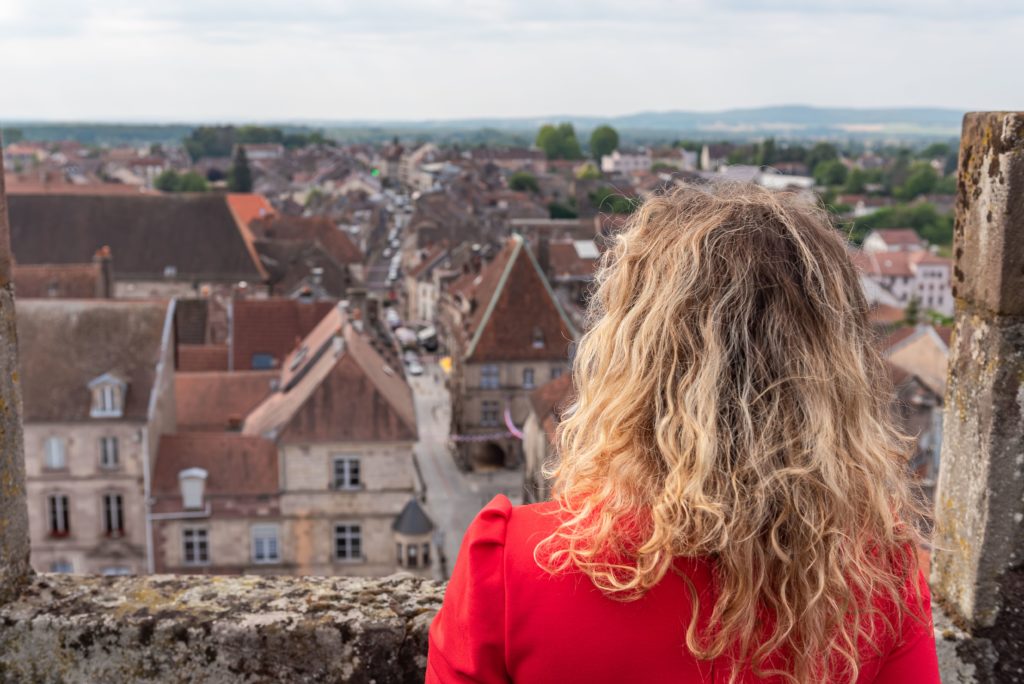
point(883, 314)
point(66, 281)
point(336, 388)
point(512, 306)
point(899, 236)
point(271, 326)
point(551, 397)
point(567, 263)
point(202, 357)
point(245, 208)
point(219, 400)
point(236, 465)
point(336, 243)
point(897, 336)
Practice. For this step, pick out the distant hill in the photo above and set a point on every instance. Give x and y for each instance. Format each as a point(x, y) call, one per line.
point(792, 120)
point(787, 121)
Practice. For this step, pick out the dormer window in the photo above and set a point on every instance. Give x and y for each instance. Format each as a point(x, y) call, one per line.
point(107, 396)
point(538, 338)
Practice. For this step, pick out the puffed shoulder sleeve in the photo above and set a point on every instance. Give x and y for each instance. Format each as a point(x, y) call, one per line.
point(914, 658)
point(467, 638)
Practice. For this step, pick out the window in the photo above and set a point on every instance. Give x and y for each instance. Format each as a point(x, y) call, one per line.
point(489, 413)
point(61, 566)
point(412, 556)
point(348, 542)
point(60, 520)
point(263, 362)
point(398, 552)
point(109, 457)
point(196, 546)
point(538, 338)
point(107, 399)
point(56, 456)
point(265, 547)
point(556, 372)
point(107, 396)
point(490, 377)
point(113, 515)
point(528, 378)
point(426, 555)
point(347, 473)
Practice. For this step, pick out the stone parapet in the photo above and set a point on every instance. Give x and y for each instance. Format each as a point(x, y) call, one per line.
point(164, 628)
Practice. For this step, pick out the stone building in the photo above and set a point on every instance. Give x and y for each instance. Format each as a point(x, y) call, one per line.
point(546, 406)
point(507, 334)
point(217, 506)
point(344, 426)
point(165, 245)
point(98, 380)
point(898, 262)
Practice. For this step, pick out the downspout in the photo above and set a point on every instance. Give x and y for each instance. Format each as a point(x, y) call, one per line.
point(147, 487)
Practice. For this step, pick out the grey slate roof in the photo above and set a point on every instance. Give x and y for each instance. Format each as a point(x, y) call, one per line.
point(413, 520)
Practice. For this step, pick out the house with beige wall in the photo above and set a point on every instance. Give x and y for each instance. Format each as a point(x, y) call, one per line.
point(344, 425)
point(539, 451)
point(98, 391)
point(508, 335)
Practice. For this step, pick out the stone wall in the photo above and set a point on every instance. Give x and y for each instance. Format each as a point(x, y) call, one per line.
point(172, 628)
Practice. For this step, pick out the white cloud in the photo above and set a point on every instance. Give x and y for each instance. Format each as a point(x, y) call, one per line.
point(405, 59)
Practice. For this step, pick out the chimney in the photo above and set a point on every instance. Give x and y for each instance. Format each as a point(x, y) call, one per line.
point(105, 287)
point(544, 253)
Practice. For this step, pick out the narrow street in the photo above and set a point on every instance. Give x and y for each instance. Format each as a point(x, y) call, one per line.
point(453, 497)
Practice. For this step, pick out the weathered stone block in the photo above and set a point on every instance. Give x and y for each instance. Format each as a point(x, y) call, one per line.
point(989, 229)
point(169, 629)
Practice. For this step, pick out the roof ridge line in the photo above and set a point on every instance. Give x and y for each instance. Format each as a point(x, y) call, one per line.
point(496, 294)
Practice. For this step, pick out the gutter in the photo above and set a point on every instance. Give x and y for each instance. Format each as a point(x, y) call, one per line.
point(181, 515)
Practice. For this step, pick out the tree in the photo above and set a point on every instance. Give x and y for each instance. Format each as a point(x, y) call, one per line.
point(856, 181)
point(588, 171)
point(557, 210)
point(12, 135)
point(240, 176)
point(946, 185)
point(171, 181)
point(559, 142)
point(934, 227)
point(821, 152)
point(935, 151)
point(603, 140)
point(609, 199)
point(168, 181)
point(192, 182)
point(522, 181)
point(830, 172)
point(921, 180)
point(912, 314)
point(766, 152)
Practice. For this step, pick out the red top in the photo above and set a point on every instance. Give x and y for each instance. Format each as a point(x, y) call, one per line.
point(505, 619)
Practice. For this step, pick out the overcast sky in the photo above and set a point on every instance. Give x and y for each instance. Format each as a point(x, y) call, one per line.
point(210, 60)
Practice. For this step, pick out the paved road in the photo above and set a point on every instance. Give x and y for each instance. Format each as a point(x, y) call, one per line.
point(453, 498)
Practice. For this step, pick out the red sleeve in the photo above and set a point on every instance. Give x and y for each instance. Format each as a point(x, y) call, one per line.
point(467, 638)
point(914, 658)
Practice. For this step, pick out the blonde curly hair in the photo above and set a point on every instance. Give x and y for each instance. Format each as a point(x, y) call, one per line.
point(730, 404)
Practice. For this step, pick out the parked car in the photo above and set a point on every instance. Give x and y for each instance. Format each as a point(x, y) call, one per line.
point(414, 368)
point(392, 318)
